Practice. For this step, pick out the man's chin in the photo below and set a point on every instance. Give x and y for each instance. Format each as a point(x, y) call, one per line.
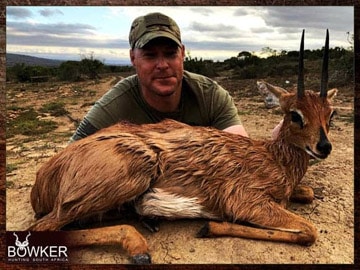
point(165, 93)
point(165, 90)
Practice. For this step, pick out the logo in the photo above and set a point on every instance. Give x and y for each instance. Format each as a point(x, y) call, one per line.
point(21, 250)
point(21, 245)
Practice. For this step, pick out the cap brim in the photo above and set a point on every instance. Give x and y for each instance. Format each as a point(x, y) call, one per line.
point(147, 37)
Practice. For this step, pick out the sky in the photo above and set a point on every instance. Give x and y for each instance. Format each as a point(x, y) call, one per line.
point(208, 32)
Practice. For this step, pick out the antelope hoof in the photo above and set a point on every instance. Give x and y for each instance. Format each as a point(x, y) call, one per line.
point(151, 224)
point(204, 231)
point(144, 258)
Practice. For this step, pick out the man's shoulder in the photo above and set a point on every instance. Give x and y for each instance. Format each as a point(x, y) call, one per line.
point(123, 90)
point(127, 84)
point(198, 79)
point(203, 85)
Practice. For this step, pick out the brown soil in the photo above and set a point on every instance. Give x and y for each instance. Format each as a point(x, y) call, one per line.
point(332, 212)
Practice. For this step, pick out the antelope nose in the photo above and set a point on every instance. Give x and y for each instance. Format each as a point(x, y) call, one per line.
point(324, 147)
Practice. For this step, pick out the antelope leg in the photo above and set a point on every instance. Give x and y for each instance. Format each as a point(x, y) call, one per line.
point(124, 235)
point(49, 222)
point(286, 227)
point(302, 194)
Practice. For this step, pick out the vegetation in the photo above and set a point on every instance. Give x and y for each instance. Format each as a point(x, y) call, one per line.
point(204, 67)
point(28, 122)
point(25, 73)
point(245, 65)
point(249, 66)
point(54, 108)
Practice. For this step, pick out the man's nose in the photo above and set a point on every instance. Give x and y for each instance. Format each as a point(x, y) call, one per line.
point(161, 62)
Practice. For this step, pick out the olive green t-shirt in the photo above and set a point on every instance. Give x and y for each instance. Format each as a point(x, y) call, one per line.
point(203, 103)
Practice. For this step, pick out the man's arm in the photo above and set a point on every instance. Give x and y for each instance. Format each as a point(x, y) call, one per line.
point(84, 129)
point(237, 129)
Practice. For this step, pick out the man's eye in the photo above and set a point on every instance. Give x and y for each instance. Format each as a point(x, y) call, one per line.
point(171, 54)
point(149, 55)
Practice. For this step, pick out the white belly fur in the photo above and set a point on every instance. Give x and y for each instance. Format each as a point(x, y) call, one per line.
point(158, 203)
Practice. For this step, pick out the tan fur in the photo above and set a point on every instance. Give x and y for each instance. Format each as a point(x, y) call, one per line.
point(225, 176)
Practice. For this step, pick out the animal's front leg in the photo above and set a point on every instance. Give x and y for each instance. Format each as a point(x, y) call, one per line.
point(302, 194)
point(124, 235)
point(274, 223)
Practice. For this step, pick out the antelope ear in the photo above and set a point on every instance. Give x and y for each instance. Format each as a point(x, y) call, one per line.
point(276, 90)
point(331, 94)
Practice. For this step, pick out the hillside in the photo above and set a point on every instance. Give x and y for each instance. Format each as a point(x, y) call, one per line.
point(13, 59)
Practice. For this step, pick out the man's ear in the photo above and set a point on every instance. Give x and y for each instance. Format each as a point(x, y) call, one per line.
point(132, 56)
point(182, 48)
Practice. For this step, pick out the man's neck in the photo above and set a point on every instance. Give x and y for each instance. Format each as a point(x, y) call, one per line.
point(165, 104)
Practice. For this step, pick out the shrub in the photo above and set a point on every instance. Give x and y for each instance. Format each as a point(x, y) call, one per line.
point(54, 108)
point(28, 123)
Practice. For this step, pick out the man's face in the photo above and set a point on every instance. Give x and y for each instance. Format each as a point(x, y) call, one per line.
point(159, 66)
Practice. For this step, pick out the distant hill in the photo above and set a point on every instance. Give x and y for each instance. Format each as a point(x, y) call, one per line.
point(13, 59)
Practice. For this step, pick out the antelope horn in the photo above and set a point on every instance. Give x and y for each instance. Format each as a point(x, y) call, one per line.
point(300, 86)
point(325, 64)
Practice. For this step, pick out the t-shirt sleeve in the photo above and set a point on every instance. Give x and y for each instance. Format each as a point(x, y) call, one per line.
point(102, 114)
point(118, 104)
point(224, 112)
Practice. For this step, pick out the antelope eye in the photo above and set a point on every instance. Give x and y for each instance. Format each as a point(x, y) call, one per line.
point(296, 118)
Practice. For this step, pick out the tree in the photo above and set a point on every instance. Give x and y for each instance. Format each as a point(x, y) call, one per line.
point(244, 54)
point(74, 70)
point(69, 71)
point(268, 51)
point(21, 72)
point(204, 67)
point(91, 67)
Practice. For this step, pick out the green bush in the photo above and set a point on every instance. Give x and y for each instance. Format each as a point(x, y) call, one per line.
point(200, 66)
point(24, 73)
point(54, 108)
point(28, 123)
point(69, 71)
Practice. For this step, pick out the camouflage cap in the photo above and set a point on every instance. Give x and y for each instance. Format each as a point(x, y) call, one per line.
point(153, 25)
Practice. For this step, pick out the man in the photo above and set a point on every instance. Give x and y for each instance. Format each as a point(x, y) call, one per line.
point(161, 88)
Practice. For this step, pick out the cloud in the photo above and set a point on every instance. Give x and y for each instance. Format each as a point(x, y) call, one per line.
point(262, 30)
point(75, 42)
point(207, 28)
point(75, 35)
point(204, 11)
point(241, 12)
point(47, 12)
point(235, 46)
point(54, 29)
point(288, 18)
point(207, 32)
point(18, 12)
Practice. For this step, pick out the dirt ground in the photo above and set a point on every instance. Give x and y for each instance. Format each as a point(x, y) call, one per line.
point(332, 212)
